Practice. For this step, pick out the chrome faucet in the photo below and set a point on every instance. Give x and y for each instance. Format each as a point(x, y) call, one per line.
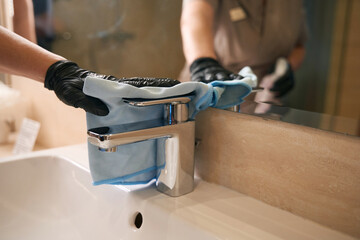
point(177, 178)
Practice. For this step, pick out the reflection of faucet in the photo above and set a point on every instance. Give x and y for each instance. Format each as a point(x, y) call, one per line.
point(177, 178)
point(236, 108)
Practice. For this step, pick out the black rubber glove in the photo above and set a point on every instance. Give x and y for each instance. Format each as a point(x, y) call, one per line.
point(207, 70)
point(66, 78)
point(149, 82)
point(285, 81)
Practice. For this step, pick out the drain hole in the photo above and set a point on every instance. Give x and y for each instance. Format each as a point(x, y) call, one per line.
point(138, 220)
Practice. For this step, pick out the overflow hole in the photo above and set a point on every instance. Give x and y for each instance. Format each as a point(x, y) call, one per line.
point(138, 220)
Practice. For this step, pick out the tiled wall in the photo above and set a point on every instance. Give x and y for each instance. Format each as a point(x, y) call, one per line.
point(309, 172)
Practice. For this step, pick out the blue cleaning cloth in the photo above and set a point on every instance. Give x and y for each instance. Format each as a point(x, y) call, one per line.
point(139, 163)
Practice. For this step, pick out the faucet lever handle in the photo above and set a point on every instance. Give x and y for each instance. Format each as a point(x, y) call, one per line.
point(175, 109)
point(144, 103)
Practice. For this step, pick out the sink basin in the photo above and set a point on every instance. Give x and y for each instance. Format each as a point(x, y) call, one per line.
point(49, 195)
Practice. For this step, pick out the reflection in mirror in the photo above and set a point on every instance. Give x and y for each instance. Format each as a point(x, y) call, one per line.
point(123, 38)
point(327, 82)
point(322, 121)
point(128, 38)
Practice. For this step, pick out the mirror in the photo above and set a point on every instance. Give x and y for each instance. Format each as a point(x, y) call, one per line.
point(123, 38)
point(128, 38)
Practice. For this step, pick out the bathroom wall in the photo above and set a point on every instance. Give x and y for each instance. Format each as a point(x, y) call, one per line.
point(5, 21)
point(309, 172)
point(347, 93)
point(60, 124)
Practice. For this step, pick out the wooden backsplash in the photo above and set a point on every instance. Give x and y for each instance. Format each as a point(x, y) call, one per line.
point(308, 172)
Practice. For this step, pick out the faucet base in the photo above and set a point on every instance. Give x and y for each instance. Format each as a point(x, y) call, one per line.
point(177, 178)
point(161, 187)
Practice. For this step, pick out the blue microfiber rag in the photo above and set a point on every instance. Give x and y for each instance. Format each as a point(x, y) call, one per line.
point(139, 163)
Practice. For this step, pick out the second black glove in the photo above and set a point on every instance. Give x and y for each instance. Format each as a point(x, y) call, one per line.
point(207, 70)
point(285, 81)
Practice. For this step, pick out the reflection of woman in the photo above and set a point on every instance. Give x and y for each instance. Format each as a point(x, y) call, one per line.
point(41, 30)
point(24, 23)
point(221, 37)
point(44, 23)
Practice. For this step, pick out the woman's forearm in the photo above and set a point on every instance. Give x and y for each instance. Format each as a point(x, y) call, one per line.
point(21, 57)
point(197, 30)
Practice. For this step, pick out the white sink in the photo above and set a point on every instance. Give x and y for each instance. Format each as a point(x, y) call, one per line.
point(52, 198)
point(45, 195)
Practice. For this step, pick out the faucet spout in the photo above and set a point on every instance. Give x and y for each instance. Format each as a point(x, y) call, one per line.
point(105, 141)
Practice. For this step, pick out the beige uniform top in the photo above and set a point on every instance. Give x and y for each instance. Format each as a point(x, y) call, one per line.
point(271, 29)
